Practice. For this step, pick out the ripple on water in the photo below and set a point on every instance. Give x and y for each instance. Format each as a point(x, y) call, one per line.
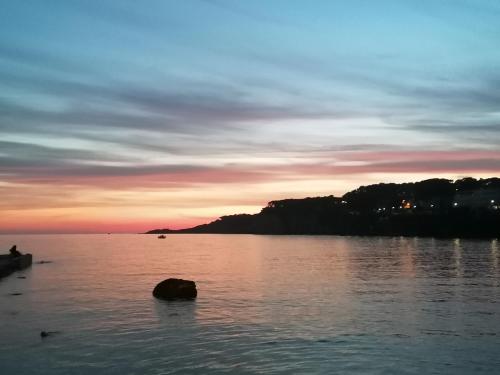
point(276, 305)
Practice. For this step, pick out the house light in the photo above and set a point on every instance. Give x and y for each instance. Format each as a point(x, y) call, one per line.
point(455, 204)
point(432, 206)
point(492, 201)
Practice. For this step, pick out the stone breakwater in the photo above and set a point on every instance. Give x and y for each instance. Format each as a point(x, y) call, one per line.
point(10, 264)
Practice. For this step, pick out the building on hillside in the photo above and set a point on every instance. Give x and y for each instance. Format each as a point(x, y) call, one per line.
point(481, 198)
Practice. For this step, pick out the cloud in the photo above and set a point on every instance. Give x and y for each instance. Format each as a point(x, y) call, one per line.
point(32, 153)
point(74, 172)
point(252, 14)
point(174, 120)
point(188, 107)
point(39, 59)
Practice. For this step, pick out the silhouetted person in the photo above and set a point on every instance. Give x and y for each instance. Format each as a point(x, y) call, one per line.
point(14, 252)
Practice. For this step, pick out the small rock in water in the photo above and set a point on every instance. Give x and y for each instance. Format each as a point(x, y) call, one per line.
point(44, 262)
point(16, 294)
point(21, 277)
point(170, 289)
point(44, 334)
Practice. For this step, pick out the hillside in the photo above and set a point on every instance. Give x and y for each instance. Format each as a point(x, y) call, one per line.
point(435, 207)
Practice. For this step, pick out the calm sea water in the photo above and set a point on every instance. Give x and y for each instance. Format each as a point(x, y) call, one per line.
point(266, 305)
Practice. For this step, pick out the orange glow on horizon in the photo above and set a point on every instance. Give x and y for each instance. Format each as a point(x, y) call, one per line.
point(84, 209)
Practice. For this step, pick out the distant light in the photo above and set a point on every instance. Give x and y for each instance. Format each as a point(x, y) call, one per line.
point(400, 206)
point(455, 204)
point(492, 201)
point(432, 206)
point(414, 206)
point(343, 202)
point(393, 207)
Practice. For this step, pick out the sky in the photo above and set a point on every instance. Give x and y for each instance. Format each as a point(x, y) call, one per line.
point(124, 116)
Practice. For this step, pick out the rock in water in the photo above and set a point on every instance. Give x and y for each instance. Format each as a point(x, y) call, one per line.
point(175, 289)
point(44, 334)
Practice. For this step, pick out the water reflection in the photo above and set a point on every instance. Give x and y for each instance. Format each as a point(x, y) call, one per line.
point(494, 257)
point(273, 304)
point(175, 313)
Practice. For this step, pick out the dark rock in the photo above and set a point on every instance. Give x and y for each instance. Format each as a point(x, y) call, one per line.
point(16, 294)
point(21, 277)
point(175, 289)
point(44, 334)
point(44, 262)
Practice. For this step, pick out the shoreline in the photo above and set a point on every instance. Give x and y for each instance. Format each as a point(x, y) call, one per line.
point(336, 235)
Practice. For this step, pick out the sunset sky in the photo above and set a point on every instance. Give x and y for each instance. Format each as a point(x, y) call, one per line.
point(124, 116)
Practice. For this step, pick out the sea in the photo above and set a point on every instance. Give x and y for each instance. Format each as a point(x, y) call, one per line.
point(266, 305)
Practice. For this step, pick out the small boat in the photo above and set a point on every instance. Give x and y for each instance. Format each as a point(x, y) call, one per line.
point(162, 237)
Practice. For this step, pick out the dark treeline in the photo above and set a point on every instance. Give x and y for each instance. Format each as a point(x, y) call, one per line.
point(435, 207)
